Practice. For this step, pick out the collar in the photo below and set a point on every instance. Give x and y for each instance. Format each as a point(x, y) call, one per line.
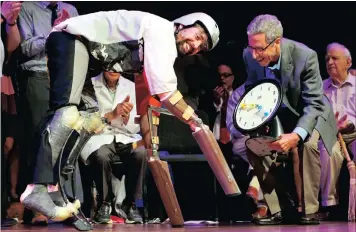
point(350, 79)
point(45, 4)
point(277, 65)
point(105, 84)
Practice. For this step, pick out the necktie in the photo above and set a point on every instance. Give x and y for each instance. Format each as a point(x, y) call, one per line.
point(54, 13)
point(224, 133)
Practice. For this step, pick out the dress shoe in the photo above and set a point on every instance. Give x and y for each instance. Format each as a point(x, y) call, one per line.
point(274, 219)
point(310, 219)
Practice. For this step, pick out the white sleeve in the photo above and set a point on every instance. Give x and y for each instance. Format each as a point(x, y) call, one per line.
point(160, 53)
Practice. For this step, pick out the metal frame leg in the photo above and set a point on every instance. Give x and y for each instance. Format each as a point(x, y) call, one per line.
point(149, 127)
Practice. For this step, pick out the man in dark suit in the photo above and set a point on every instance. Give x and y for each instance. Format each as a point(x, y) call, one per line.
point(305, 113)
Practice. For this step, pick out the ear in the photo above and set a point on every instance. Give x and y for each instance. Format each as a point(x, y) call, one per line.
point(349, 63)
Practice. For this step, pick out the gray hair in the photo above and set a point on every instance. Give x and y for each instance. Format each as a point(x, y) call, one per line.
point(266, 24)
point(346, 51)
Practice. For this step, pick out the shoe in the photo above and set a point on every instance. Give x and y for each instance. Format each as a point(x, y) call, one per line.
point(133, 215)
point(329, 213)
point(274, 219)
point(7, 222)
point(154, 221)
point(261, 212)
point(120, 211)
point(310, 219)
point(16, 210)
point(39, 219)
point(102, 216)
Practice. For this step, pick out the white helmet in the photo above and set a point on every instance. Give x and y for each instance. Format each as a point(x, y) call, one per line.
point(207, 22)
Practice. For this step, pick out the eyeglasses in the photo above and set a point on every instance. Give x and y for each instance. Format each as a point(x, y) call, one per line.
point(259, 50)
point(225, 75)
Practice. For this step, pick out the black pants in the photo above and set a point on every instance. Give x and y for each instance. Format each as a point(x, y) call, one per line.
point(134, 161)
point(67, 65)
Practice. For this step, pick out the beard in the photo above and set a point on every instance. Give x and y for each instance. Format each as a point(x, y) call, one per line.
point(181, 48)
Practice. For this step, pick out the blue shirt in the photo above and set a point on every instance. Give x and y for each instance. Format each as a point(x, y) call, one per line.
point(34, 26)
point(274, 72)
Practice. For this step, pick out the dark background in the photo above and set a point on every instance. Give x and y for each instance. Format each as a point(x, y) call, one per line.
point(313, 23)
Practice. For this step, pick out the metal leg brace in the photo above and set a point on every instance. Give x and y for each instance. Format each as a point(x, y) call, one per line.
point(160, 169)
point(84, 129)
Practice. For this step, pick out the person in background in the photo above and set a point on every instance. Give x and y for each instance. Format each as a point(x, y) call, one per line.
point(10, 40)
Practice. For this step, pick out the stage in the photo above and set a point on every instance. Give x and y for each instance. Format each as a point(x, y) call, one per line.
point(323, 227)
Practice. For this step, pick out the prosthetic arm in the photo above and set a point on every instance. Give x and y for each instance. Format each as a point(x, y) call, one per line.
point(178, 107)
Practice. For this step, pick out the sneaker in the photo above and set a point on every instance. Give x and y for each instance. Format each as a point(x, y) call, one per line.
point(120, 211)
point(102, 216)
point(133, 215)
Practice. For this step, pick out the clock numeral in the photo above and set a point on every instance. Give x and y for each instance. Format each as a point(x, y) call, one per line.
point(253, 123)
point(270, 110)
point(274, 92)
point(259, 97)
point(240, 119)
point(274, 101)
point(251, 93)
point(261, 87)
point(269, 88)
point(245, 123)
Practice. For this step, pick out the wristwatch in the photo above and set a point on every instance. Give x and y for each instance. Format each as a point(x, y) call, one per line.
point(12, 24)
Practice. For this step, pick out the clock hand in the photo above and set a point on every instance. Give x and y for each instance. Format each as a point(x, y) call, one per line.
point(261, 113)
point(248, 106)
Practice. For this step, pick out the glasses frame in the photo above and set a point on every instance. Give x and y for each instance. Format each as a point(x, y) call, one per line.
point(260, 50)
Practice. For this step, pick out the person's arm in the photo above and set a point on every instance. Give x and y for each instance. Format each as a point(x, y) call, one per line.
point(160, 55)
point(231, 105)
point(13, 37)
point(30, 45)
point(312, 95)
point(11, 12)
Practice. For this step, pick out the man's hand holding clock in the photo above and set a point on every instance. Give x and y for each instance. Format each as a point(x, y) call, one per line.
point(285, 142)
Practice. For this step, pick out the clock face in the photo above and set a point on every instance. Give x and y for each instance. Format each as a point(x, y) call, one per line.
point(257, 105)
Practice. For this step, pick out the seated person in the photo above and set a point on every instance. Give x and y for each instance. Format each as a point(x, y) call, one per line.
point(239, 148)
point(340, 89)
point(116, 100)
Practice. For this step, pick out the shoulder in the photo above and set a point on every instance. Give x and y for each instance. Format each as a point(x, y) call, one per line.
point(127, 82)
point(71, 8)
point(297, 49)
point(29, 6)
point(97, 79)
point(68, 6)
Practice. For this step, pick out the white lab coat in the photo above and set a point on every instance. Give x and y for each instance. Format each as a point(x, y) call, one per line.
point(122, 133)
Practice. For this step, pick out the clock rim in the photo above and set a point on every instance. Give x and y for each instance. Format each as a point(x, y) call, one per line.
point(272, 115)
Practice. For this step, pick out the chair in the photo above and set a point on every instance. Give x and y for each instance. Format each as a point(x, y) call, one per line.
point(178, 147)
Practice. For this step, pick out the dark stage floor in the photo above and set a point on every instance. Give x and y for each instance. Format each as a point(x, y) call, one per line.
point(323, 227)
